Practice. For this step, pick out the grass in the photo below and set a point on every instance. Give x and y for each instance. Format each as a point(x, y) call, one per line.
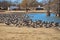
point(25, 33)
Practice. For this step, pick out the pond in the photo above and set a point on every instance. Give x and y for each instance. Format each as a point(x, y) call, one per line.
point(43, 17)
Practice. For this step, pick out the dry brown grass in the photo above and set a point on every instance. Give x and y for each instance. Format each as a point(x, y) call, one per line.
point(25, 33)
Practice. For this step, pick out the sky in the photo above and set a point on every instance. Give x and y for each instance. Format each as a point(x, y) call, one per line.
point(21, 0)
point(39, 0)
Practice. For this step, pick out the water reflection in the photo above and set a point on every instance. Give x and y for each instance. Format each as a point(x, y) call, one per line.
point(43, 17)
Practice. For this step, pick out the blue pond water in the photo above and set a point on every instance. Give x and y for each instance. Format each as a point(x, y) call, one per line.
point(43, 17)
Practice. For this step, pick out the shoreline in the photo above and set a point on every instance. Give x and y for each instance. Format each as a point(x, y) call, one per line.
point(32, 11)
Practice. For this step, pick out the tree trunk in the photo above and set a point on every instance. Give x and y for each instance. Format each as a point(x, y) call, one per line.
point(48, 8)
point(48, 13)
point(58, 9)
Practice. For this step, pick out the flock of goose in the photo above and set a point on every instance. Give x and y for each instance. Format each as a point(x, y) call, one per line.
point(21, 20)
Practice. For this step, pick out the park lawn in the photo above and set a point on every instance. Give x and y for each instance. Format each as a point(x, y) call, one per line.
point(27, 33)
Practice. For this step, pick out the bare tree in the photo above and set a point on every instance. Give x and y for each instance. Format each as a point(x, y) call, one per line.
point(47, 6)
point(58, 8)
point(29, 3)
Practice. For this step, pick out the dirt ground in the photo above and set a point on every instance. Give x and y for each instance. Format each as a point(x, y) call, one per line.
point(25, 33)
